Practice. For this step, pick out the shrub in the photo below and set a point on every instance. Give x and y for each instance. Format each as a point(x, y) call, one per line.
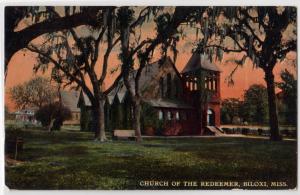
point(53, 115)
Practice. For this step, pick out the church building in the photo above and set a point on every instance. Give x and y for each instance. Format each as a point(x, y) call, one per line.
point(174, 103)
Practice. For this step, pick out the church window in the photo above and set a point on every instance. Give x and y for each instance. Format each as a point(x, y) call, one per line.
point(161, 87)
point(177, 85)
point(206, 83)
point(169, 85)
point(216, 84)
point(195, 86)
point(169, 116)
point(177, 115)
point(191, 86)
point(211, 84)
point(160, 115)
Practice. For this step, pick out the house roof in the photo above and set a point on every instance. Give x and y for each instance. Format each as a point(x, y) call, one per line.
point(198, 61)
point(70, 99)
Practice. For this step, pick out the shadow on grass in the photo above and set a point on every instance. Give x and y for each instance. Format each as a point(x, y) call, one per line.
point(81, 164)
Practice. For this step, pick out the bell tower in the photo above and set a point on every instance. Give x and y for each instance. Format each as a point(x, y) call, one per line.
point(201, 80)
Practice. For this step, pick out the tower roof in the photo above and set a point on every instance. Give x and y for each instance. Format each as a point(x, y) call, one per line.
point(198, 61)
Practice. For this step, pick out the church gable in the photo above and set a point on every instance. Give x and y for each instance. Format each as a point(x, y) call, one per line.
point(165, 82)
point(157, 81)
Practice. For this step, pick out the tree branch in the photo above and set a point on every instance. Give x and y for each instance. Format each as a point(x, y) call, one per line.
point(78, 69)
point(140, 46)
point(15, 41)
point(105, 59)
point(89, 69)
point(226, 49)
point(143, 13)
point(82, 48)
point(79, 82)
point(116, 82)
point(244, 21)
point(97, 42)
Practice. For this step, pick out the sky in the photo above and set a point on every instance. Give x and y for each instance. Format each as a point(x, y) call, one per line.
point(20, 67)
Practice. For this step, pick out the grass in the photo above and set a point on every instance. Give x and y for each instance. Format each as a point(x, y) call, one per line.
point(71, 160)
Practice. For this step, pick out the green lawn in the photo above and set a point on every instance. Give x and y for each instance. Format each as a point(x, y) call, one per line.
point(71, 160)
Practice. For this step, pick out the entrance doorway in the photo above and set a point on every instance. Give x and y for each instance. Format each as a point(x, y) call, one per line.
point(210, 117)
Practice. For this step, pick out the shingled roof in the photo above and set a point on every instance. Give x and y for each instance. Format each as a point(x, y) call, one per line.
point(198, 61)
point(148, 73)
point(70, 99)
point(167, 103)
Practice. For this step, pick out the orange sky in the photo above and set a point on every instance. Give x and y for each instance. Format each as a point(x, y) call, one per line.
point(20, 70)
point(21, 64)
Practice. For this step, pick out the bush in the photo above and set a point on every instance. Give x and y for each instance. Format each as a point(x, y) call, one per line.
point(150, 118)
point(53, 115)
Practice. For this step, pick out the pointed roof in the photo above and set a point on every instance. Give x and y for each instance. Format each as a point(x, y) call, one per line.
point(148, 73)
point(83, 99)
point(198, 61)
point(120, 91)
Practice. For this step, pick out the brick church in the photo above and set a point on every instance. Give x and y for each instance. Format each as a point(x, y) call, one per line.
point(174, 103)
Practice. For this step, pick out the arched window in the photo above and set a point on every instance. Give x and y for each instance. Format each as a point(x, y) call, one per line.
point(213, 84)
point(216, 83)
point(169, 85)
point(160, 115)
point(195, 84)
point(176, 88)
point(161, 87)
point(192, 85)
point(177, 116)
point(206, 83)
point(169, 116)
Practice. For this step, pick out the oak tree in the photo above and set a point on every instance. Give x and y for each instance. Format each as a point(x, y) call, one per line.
point(35, 92)
point(167, 35)
point(265, 35)
point(74, 58)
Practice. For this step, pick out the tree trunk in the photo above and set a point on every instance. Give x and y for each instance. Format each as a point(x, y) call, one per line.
point(51, 124)
point(98, 121)
point(273, 120)
point(137, 122)
point(102, 122)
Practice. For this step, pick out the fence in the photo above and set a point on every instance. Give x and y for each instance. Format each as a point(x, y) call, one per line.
point(287, 132)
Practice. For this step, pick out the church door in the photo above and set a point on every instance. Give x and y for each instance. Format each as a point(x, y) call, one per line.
point(210, 117)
